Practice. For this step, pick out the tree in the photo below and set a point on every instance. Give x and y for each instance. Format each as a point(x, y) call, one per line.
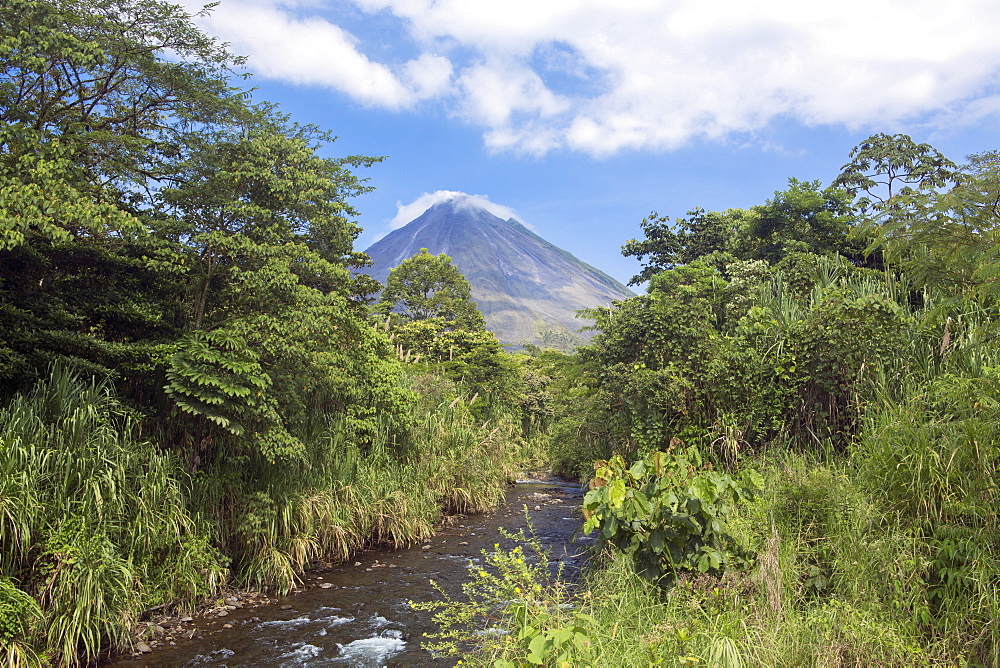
point(159, 228)
point(432, 320)
point(95, 100)
point(653, 353)
point(430, 286)
point(703, 235)
point(92, 108)
point(884, 166)
point(243, 192)
point(804, 218)
point(949, 240)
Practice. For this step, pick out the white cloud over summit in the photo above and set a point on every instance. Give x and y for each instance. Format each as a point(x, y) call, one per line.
point(603, 76)
point(407, 212)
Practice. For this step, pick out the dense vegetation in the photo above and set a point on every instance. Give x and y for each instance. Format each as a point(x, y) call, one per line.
point(792, 439)
point(196, 389)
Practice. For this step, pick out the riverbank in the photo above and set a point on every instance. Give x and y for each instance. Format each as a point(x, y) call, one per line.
point(358, 613)
point(103, 528)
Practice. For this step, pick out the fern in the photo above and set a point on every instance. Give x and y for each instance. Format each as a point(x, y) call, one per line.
point(216, 376)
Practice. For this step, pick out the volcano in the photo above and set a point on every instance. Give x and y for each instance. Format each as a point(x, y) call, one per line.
point(528, 289)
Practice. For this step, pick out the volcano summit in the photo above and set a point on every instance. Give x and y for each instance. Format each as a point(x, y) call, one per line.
point(527, 289)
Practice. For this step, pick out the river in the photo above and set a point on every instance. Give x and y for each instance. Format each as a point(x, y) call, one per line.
point(358, 614)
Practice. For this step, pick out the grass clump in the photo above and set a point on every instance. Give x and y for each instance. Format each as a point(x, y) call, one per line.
point(94, 522)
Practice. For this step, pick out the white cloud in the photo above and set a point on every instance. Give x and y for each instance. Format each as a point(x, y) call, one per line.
point(601, 76)
point(407, 212)
point(281, 45)
point(428, 75)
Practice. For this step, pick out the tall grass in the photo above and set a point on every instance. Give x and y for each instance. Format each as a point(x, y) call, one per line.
point(834, 584)
point(343, 498)
point(929, 456)
point(93, 522)
point(98, 526)
point(886, 555)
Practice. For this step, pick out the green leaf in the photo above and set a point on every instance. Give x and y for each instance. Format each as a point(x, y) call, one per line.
point(616, 492)
point(537, 649)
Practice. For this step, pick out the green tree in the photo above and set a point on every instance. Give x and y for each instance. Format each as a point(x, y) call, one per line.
point(949, 240)
point(703, 235)
point(242, 193)
point(884, 166)
point(804, 218)
point(430, 286)
point(92, 107)
point(258, 227)
point(95, 99)
point(159, 228)
point(653, 353)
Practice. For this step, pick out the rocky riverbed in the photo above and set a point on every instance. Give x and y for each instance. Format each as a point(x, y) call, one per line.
point(358, 614)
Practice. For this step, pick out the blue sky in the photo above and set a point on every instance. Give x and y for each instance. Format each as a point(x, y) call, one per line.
point(582, 116)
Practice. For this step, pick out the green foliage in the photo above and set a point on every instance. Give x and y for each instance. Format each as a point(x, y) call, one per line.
point(885, 166)
point(736, 364)
point(210, 373)
point(932, 455)
point(434, 324)
point(90, 109)
point(215, 376)
point(100, 526)
point(90, 591)
point(946, 240)
point(706, 236)
point(430, 286)
point(538, 620)
point(557, 336)
point(668, 513)
point(167, 204)
point(652, 355)
point(804, 218)
point(19, 616)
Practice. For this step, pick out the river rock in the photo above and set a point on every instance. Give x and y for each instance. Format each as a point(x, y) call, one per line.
point(143, 648)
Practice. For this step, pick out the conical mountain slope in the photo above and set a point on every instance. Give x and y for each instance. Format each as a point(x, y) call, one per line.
point(527, 289)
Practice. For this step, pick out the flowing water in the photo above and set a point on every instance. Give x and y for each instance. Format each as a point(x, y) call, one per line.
point(359, 614)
